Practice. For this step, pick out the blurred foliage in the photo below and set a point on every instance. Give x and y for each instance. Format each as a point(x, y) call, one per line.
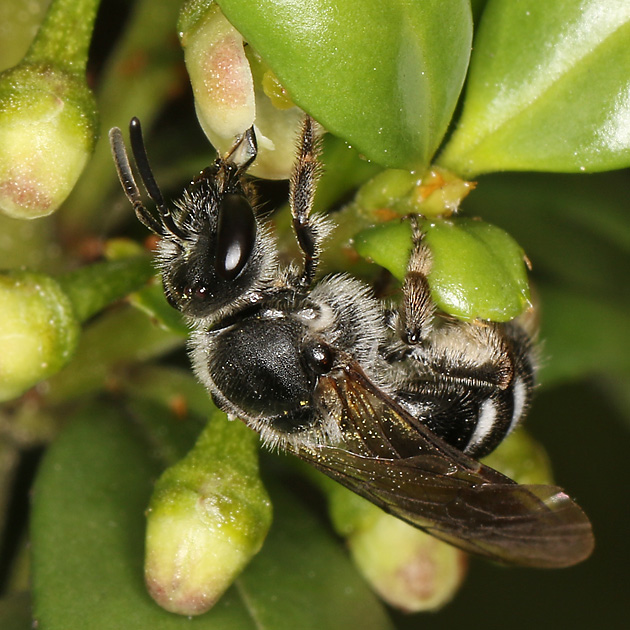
point(126, 406)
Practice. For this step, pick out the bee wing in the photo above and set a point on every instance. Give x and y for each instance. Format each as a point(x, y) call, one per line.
point(392, 460)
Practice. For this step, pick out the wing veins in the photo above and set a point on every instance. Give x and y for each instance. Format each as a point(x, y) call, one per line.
point(390, 458)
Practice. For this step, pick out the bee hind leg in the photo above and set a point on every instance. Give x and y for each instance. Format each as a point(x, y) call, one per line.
point(417, 309)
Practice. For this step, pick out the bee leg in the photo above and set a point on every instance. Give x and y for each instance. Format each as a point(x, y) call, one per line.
point(462, 354)
point(244, 151)
point(309, 230)
point(418, 310)
point(484, 370)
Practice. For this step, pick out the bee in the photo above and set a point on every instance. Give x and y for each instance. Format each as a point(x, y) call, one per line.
point(396, 404)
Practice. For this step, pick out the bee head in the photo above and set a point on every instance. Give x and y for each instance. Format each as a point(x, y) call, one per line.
point(214, 254)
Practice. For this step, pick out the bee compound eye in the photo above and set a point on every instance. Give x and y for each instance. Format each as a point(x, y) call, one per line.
point(236, 236)
point(319, 357)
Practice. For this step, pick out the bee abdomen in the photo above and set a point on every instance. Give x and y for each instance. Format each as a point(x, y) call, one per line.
point(472, 411)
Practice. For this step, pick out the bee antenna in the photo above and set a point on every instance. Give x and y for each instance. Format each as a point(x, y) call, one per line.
point(146, 174)
point(125, 175)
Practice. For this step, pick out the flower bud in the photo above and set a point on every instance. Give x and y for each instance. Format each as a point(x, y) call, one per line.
point(38, 330)
point(220, 74)
point(208, 516)
point(47, 133)
point(477, 270)
point(41, 316)
point(48, 125)
point(408, 568)
point(234, 89)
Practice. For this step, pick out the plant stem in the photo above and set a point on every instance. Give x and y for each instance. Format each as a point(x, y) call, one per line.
point(92, 288)
point(65, 35)
point(139, 77)
point(121, 336)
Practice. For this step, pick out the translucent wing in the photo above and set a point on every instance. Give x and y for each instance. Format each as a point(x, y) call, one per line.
point(391, 459)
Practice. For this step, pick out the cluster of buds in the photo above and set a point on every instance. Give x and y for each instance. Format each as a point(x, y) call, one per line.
point(210, 513)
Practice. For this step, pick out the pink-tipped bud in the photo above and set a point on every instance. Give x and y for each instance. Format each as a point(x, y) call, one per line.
point(208, 516)
point(234, 89)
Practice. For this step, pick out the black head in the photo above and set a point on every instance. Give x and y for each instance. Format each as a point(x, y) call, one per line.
point(213, 252)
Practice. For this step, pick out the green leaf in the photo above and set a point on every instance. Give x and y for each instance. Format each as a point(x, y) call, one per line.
point(615, 389)
point(389, 245)
point(384, 76)
point(549, 89)
point(15, 612)
point(583, 336)
point(478, 271)
point(88, 533)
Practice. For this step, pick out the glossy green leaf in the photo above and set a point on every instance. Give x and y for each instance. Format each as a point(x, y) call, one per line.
point(549, 89)
point(384, 76)
point(478, 270)
point(388, 245)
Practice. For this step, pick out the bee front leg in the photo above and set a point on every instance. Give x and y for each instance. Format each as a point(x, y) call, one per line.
point(310, 230)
